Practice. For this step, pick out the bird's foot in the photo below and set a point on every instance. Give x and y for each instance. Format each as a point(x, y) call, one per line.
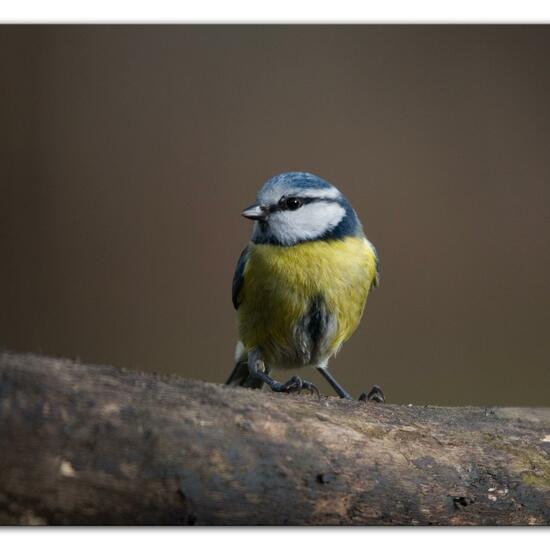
point(375, 394)
point(257, 369)
point(295, 385)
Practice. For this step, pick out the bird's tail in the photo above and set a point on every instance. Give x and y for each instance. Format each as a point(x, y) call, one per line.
point(240, 375)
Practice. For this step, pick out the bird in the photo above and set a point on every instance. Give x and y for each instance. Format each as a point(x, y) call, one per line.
point(301, 284)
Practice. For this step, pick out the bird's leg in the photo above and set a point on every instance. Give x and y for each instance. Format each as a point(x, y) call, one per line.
point(332, 381)
point(256, 368)
point(375, 394)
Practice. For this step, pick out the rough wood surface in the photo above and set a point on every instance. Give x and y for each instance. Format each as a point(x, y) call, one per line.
point(88, 445)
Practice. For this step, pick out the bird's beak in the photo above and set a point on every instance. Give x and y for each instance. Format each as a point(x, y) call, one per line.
point(255, 212)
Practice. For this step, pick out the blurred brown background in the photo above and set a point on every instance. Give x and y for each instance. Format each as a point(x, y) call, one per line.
point(127, 154)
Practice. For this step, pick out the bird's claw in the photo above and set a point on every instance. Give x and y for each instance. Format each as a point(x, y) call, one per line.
point(296, 385)
point(312, 388)
point(375, 394)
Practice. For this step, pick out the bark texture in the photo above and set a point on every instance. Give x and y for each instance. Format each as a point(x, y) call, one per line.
point(96, 445)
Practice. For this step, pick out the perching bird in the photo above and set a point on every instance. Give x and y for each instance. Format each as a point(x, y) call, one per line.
point(301, 284)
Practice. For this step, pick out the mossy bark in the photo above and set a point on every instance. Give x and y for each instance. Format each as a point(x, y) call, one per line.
point(91, 445)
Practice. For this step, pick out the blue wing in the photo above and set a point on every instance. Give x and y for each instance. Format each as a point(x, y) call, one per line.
point(238, 277)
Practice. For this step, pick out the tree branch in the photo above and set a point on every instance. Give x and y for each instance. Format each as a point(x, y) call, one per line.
point(88, 445)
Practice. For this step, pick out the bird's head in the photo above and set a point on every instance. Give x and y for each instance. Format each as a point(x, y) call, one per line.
point(295, 207)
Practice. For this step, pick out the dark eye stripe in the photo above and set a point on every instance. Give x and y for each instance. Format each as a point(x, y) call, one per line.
point(283, 203)
point(293, 203)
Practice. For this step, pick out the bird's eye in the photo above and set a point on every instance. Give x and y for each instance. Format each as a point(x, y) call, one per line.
point(293, 203)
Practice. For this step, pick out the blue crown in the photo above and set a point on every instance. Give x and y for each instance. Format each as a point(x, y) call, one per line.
point(302, 180)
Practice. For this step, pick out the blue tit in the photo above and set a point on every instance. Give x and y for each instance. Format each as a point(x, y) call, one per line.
point(302, 282)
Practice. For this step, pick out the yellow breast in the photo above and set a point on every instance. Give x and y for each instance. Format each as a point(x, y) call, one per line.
point(281, 282)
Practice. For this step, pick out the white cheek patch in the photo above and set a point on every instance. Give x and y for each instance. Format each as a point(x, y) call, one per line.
point(308, 222)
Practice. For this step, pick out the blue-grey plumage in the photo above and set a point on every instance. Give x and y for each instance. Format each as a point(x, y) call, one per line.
point(301, 284)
